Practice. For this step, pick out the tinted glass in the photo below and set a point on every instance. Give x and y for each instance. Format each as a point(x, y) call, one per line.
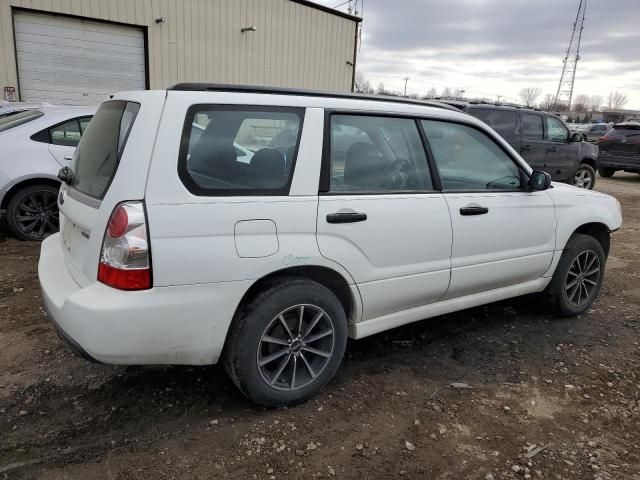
point(556, 131)
point(502, 121)
point(467, 159)
point(376, 154)
point(239, 151)
point(84, 123)
point(67, 134)
point(98, 154)
point(531, 127)
point(13, 119)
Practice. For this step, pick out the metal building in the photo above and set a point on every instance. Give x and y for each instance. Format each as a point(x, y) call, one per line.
point(78, 51)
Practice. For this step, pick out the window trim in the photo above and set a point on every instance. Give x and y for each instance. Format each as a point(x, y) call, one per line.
point(195, 189)
point(524, 176)
point(324, 185)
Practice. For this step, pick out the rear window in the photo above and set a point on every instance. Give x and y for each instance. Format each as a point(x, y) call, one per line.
point(13, 119)
point(98, 154)
point(239, 150)
point(502, 121)
point(623, 131)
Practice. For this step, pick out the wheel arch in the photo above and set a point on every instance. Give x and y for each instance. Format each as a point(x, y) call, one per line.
point(597, 230)
point(15, 188)
point(589, 161)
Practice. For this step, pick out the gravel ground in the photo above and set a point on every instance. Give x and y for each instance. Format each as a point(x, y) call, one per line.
point(502, 391)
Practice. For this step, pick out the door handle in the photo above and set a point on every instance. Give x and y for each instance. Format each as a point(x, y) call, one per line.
point(68, 157)
point(473, 210)
point(527, 147)
point(346, 217)
point(552, 149)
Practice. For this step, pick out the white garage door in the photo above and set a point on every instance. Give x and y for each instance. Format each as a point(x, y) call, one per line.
point(69, 61)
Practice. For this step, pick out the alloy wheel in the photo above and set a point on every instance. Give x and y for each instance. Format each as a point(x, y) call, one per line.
point(295, 347)
point(583, 179)
point(582, 278)
point(36, 216)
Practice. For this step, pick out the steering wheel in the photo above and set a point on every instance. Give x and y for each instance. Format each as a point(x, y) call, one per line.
point(397, 175)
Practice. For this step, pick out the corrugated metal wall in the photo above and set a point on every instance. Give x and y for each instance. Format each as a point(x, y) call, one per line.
point(294, 45)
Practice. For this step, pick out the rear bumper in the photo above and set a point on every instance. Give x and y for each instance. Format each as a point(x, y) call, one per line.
point(619, 162)
point(165, 325)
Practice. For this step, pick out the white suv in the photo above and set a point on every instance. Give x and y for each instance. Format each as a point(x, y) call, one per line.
point(353, 215)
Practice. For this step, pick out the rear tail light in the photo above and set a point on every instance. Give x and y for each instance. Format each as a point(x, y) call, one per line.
point(125, 260)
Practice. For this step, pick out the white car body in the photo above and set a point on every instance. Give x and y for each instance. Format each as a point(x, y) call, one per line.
point(203, 269)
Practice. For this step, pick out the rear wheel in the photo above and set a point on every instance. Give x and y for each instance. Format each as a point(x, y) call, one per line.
point(585, 177)
point(287, 343)
point(606, 172)
point(578, 276)
point(32, 213)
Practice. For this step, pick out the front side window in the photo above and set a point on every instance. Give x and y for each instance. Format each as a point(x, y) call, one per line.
point(502, 121)
point(556, 131)
point(67, 134)
point(531, 127)
point(468, 159)
point(239, 151)
point(98, 154)
point(376, 154)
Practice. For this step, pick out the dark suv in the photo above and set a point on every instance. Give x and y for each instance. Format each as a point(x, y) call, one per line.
point(620, 149)
point(542, 139)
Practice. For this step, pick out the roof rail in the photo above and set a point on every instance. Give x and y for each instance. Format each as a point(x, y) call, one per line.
point(222, 87)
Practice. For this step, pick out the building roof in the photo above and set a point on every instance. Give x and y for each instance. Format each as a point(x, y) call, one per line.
point(324, 8)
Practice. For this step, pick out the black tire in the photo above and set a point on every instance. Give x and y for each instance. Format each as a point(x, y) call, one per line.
point(257, 320)
point(32, 213)
point(585, 176)
point(559, 291)
point(606, 172)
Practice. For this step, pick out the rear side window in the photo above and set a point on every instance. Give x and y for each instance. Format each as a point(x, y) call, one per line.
point(100, 149)
point(13, 119)
point(531, 127)
point(229, 150)
point(371, 154)
point(502, 121)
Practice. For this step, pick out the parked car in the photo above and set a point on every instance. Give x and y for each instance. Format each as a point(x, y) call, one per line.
point(620, 149)
point(35, 143)
point(542, 139)
point(172, 253)
point(593, 132)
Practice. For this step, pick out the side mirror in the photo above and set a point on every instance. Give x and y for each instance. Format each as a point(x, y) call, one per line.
point(65, 175)
point(539, 180)
point(575, 137)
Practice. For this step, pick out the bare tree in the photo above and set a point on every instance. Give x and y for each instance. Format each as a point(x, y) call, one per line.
point(529, 95)
point(446, 92)
point(362, 85)
point(548, 102)
point(595, 102)
point(380, 90)
point(431, 93)
point(616, 100)
point(581, 103)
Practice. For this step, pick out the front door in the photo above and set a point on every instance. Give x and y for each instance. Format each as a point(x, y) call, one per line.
point(562, 155)
point(533, 147)
point(379, 216)
point(502, 234)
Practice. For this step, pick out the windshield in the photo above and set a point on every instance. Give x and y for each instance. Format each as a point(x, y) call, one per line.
point(17, 117)
point(98, 154)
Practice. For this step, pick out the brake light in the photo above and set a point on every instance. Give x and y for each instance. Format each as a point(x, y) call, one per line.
point(125, 260)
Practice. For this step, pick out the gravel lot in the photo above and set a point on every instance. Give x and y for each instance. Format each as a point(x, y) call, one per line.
point(543, 397)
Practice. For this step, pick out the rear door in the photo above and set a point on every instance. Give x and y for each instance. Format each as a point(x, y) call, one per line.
point(562, 155)
point(64, 138)
point(104, 174)
point(533, 147)
point(379, 215)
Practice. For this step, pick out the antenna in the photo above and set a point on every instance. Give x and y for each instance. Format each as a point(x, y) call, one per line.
point(567, 79)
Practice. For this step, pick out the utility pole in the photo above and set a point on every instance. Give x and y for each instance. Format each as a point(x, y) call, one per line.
point(406, 79)
point(567, 79)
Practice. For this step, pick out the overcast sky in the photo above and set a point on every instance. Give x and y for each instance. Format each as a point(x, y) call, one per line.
point(491, 47)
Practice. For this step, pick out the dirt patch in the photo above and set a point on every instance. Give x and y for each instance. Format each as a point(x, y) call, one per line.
point(549, 398)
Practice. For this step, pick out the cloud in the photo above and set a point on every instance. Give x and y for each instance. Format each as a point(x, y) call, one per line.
point(498, 46)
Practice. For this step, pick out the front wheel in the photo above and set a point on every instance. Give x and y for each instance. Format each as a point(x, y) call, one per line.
point(32, 212)
point(606, 172)
point(287, 343)
point(585, 177)
point(578, 276)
